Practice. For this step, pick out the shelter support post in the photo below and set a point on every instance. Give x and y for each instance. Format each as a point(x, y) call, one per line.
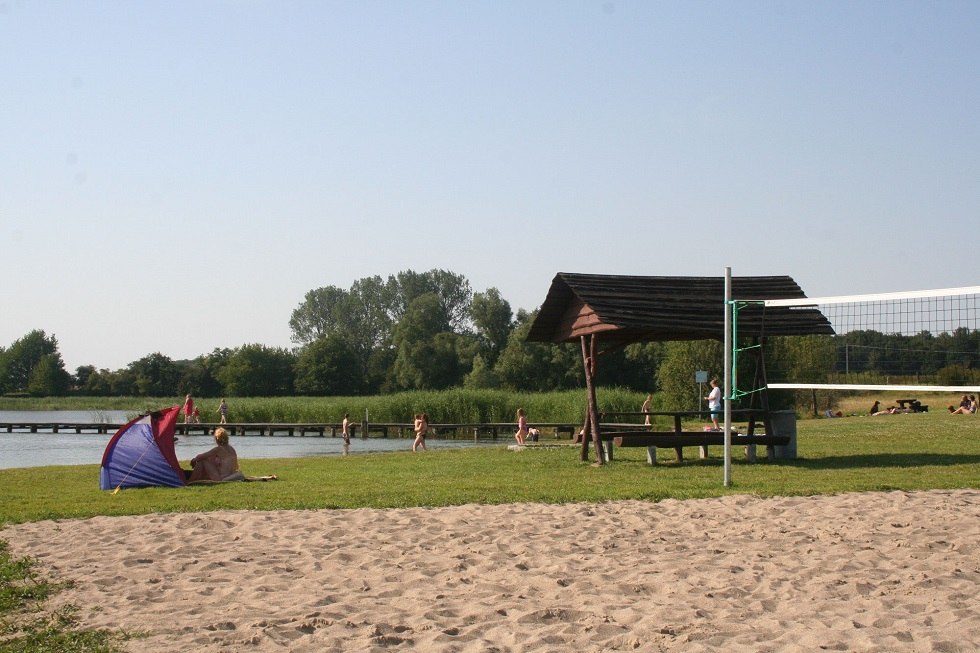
point(589, 362)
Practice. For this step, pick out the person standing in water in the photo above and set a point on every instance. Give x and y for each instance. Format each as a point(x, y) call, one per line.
point(345, 432)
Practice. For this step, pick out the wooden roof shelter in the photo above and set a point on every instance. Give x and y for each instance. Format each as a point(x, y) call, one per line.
point(627, 309)
point(611, 311)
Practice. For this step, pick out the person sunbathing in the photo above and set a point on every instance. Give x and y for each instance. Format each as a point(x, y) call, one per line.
point(215, 464)
point(892, 410)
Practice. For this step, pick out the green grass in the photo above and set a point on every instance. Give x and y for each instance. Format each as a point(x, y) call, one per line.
point(854, 454)
point(25, 627)
point(918, 451)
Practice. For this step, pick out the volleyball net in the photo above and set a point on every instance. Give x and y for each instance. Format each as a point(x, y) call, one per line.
point(925, 341)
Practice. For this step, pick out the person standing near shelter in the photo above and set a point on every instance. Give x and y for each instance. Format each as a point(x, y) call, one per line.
point(188, 408)
point(714, 404)
point(645, 408)
point(521, 435)
point(223, 411)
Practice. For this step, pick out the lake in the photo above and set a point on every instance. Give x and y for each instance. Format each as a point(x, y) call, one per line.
point(39, 449)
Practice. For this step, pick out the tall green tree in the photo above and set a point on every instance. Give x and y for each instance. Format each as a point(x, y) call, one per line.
point(98, 383)
point(156, 375)
point(538, 366)
point(675, 376)
point(19, 360)
point(364, 316)
point(481, 376)
point(427, 356)
point(258, 371)
point(329, 366)
point(453, 291)
point(200, 376)
point(48, 377)
point(492, 321)
point(82, 374)
point(368, 318)
point(319, 315)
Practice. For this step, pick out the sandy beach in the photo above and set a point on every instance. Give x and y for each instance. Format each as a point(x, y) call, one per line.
point(891, 571)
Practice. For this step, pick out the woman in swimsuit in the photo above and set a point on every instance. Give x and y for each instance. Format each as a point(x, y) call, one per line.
point(521, 434)
point(215, 464)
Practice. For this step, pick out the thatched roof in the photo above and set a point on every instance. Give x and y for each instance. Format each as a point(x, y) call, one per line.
point(625, 309)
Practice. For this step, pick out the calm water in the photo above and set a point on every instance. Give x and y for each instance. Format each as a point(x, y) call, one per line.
point(37, 449)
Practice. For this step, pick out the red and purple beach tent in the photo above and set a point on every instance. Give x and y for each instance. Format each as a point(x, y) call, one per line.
point(141, 453)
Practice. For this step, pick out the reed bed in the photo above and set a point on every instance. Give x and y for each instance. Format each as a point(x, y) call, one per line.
point(455, 406)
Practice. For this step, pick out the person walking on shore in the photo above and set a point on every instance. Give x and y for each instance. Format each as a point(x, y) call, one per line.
point(521, 435)
point(421, 428)
point(188, 409)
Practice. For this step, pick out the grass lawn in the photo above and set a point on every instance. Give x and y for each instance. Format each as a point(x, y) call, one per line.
point(908, 452)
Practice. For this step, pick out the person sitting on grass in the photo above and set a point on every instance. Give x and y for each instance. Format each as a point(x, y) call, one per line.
point(968, 406)
point(215, 464)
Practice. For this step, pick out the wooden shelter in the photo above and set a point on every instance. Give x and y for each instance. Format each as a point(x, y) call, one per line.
point(605, 312)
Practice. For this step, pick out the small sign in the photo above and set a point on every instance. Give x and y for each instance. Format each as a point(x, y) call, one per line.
point(701, 376)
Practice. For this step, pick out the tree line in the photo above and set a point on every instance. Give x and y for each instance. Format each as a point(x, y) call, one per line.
point(430, 331)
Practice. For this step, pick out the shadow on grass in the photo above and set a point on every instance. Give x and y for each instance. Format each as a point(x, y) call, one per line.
point(855, 461)
point(883, 460)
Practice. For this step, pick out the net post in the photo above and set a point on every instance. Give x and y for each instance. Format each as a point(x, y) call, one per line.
point(728, 377)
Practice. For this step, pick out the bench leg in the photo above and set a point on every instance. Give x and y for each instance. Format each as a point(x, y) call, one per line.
point(652, 455)
point(607, 448)
point(704, 452)
point(679, 452)
point(750, 453)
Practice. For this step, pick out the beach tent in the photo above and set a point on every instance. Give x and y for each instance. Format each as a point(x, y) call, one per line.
point(141, 453)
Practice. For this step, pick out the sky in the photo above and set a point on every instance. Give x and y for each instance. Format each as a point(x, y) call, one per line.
point(175, 176)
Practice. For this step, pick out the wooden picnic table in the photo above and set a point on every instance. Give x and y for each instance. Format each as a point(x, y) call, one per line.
point(678, 438)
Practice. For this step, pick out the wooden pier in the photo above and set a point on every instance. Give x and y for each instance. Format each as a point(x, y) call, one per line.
point(491, 430)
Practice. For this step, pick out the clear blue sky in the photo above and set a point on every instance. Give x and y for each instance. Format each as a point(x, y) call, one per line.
point(175, 176)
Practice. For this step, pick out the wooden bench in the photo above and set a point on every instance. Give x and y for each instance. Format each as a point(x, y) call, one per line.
point(680, 439)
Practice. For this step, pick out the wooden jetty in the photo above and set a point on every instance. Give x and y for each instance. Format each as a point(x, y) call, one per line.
point(320, 429)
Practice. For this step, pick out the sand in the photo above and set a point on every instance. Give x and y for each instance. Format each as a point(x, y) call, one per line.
point(892, 571)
